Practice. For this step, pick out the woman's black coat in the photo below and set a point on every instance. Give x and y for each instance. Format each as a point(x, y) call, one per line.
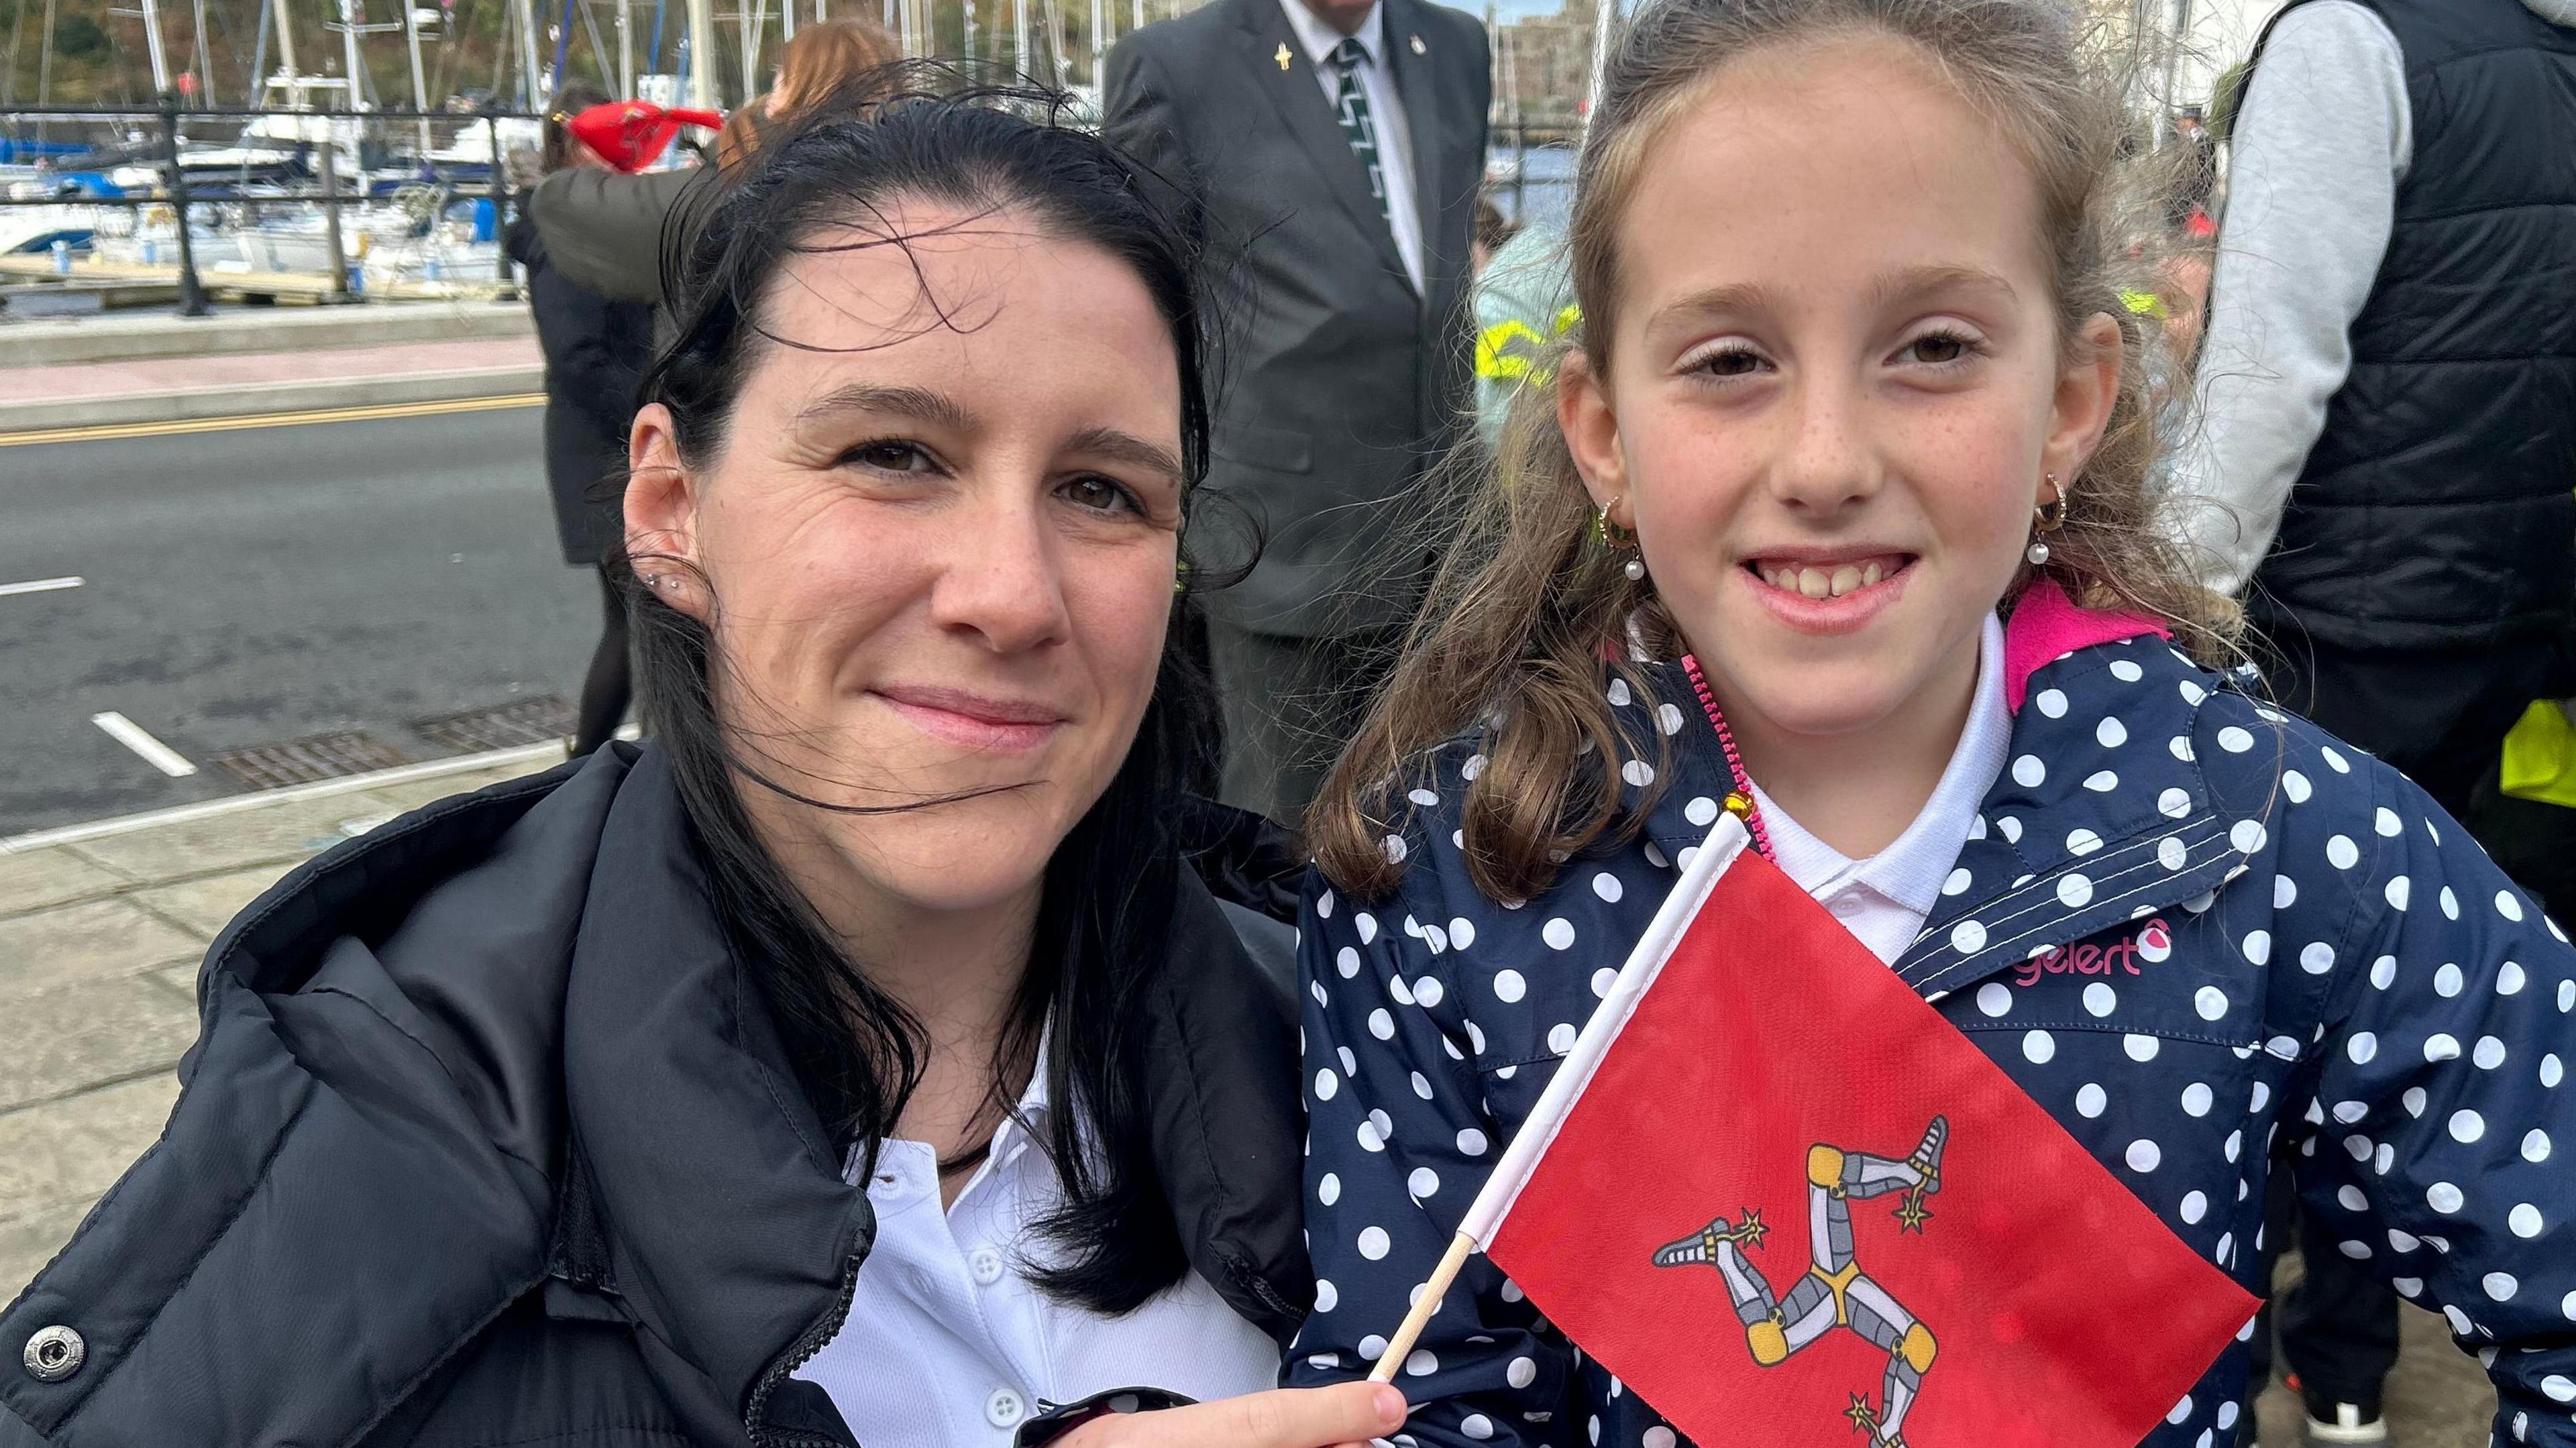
point(489, 1138)
point(596, 352)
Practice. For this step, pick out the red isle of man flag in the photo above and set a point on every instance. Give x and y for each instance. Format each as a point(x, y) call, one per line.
point(1783, 1200)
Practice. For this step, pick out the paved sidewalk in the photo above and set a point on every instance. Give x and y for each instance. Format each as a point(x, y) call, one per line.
point(156, 332)
point(99, 944)
point(145, 391)
point(81, 381)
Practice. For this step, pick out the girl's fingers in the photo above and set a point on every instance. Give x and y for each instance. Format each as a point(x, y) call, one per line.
point(1341, 1416)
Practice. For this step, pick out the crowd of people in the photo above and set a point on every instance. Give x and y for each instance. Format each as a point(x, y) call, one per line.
point(1176, 665)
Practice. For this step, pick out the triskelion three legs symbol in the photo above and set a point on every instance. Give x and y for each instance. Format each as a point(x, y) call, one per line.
point(1833, 1292)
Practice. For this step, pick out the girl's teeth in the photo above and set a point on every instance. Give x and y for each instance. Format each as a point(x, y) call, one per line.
point(1823, 583)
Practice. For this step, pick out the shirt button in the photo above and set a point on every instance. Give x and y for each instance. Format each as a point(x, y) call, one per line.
point(986, 1265)
point(1004, 1409)
point(1846, 906)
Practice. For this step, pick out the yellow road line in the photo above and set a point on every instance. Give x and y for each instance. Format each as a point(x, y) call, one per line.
point(108, 431)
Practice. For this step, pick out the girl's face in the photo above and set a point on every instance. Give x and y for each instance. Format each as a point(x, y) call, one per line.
point(1836, 384)
point(938, 544)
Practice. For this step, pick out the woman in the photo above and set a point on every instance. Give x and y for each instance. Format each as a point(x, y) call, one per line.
point(596, 351)
point(606, 231)
point(812, 68)
point(860, 1060)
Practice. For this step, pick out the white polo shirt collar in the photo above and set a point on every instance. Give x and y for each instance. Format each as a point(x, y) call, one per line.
point(1883, 899)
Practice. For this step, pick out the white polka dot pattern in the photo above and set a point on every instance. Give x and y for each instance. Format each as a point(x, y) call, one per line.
point(2194, 931)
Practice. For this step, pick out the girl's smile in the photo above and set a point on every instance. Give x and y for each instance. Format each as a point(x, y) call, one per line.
point(1828, 591)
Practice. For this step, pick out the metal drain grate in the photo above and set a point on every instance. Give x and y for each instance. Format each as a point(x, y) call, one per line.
point(503, 726)
point(303, 761)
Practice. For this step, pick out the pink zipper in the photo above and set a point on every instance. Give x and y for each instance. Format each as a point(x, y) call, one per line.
point(1741, 801)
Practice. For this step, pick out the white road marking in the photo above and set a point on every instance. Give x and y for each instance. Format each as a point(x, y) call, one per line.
point(155, 753)
point(538, 756)
point(40, 585)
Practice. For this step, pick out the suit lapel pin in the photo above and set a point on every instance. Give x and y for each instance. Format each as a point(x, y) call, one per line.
point(1282, 57)
point(1417, 45)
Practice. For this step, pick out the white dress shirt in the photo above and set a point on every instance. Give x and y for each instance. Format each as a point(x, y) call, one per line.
point(1883, 899)
point(1386, 108)
point(948, 1345)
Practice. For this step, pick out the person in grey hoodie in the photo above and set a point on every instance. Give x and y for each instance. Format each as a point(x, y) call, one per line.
point(2388, 444)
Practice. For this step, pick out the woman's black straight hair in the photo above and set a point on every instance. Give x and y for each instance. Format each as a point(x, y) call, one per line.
point(833, 182)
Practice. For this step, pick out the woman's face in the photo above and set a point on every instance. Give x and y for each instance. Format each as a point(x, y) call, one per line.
point(937, 547)
point(1836, 382)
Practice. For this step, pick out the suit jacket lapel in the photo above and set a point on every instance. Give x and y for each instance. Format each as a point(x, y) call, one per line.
point(1414, 81)
point(1299, 99)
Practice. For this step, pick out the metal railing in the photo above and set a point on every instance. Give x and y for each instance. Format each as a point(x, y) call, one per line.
point(170, 115)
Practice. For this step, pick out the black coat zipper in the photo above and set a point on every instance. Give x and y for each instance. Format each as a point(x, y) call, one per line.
point(809, 1342)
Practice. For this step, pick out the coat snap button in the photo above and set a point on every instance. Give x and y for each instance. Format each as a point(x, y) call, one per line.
point(54, 1354)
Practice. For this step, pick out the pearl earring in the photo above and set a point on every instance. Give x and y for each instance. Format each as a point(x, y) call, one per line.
point(1635, 567)
point(2047, 517)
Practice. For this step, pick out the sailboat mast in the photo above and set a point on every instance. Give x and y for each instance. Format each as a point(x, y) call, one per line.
point(205, 60)
point(1019, 37)
point(529, 72)
point(152, 43)
point(702, 55)
point(1055, 47)
point(1099, 37)
point(349, 52)
point(1605, 19)
point(625, 48)
point(419, 82)
point(285, 55)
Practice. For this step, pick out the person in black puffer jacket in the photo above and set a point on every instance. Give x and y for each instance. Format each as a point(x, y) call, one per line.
point(865, 1058)
point(2389, 445)
point(596, 351)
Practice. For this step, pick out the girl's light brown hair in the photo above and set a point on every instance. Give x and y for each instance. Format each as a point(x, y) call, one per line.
point(1528, 610)
point(814, 67)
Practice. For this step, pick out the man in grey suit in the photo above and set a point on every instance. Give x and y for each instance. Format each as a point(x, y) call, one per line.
point(1337, 147)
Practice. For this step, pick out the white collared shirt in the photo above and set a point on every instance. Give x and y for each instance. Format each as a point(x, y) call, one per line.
point(1394, 139)
point(948, 1345)
point(1884, 898)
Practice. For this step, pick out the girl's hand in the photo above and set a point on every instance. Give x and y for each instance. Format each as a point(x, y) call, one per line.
point(1334, 1417)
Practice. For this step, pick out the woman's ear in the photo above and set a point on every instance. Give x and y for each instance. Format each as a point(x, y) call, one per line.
point(2087, 387)
point(662, 514)
point(1591, 430)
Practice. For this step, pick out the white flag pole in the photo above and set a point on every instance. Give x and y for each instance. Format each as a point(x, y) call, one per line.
point(1699, 877)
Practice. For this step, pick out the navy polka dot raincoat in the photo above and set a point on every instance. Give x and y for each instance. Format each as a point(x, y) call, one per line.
point(2209, 939)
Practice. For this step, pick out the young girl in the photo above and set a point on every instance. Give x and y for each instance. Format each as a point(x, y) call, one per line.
point(1842, 509)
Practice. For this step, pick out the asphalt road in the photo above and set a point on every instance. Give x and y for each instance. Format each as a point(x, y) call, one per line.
point(255, 586)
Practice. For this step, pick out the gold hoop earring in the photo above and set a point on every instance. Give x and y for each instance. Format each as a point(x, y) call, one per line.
point(2046, 517)
point(1603, 535)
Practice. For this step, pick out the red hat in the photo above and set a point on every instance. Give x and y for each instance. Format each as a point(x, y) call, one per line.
point(630, 134)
